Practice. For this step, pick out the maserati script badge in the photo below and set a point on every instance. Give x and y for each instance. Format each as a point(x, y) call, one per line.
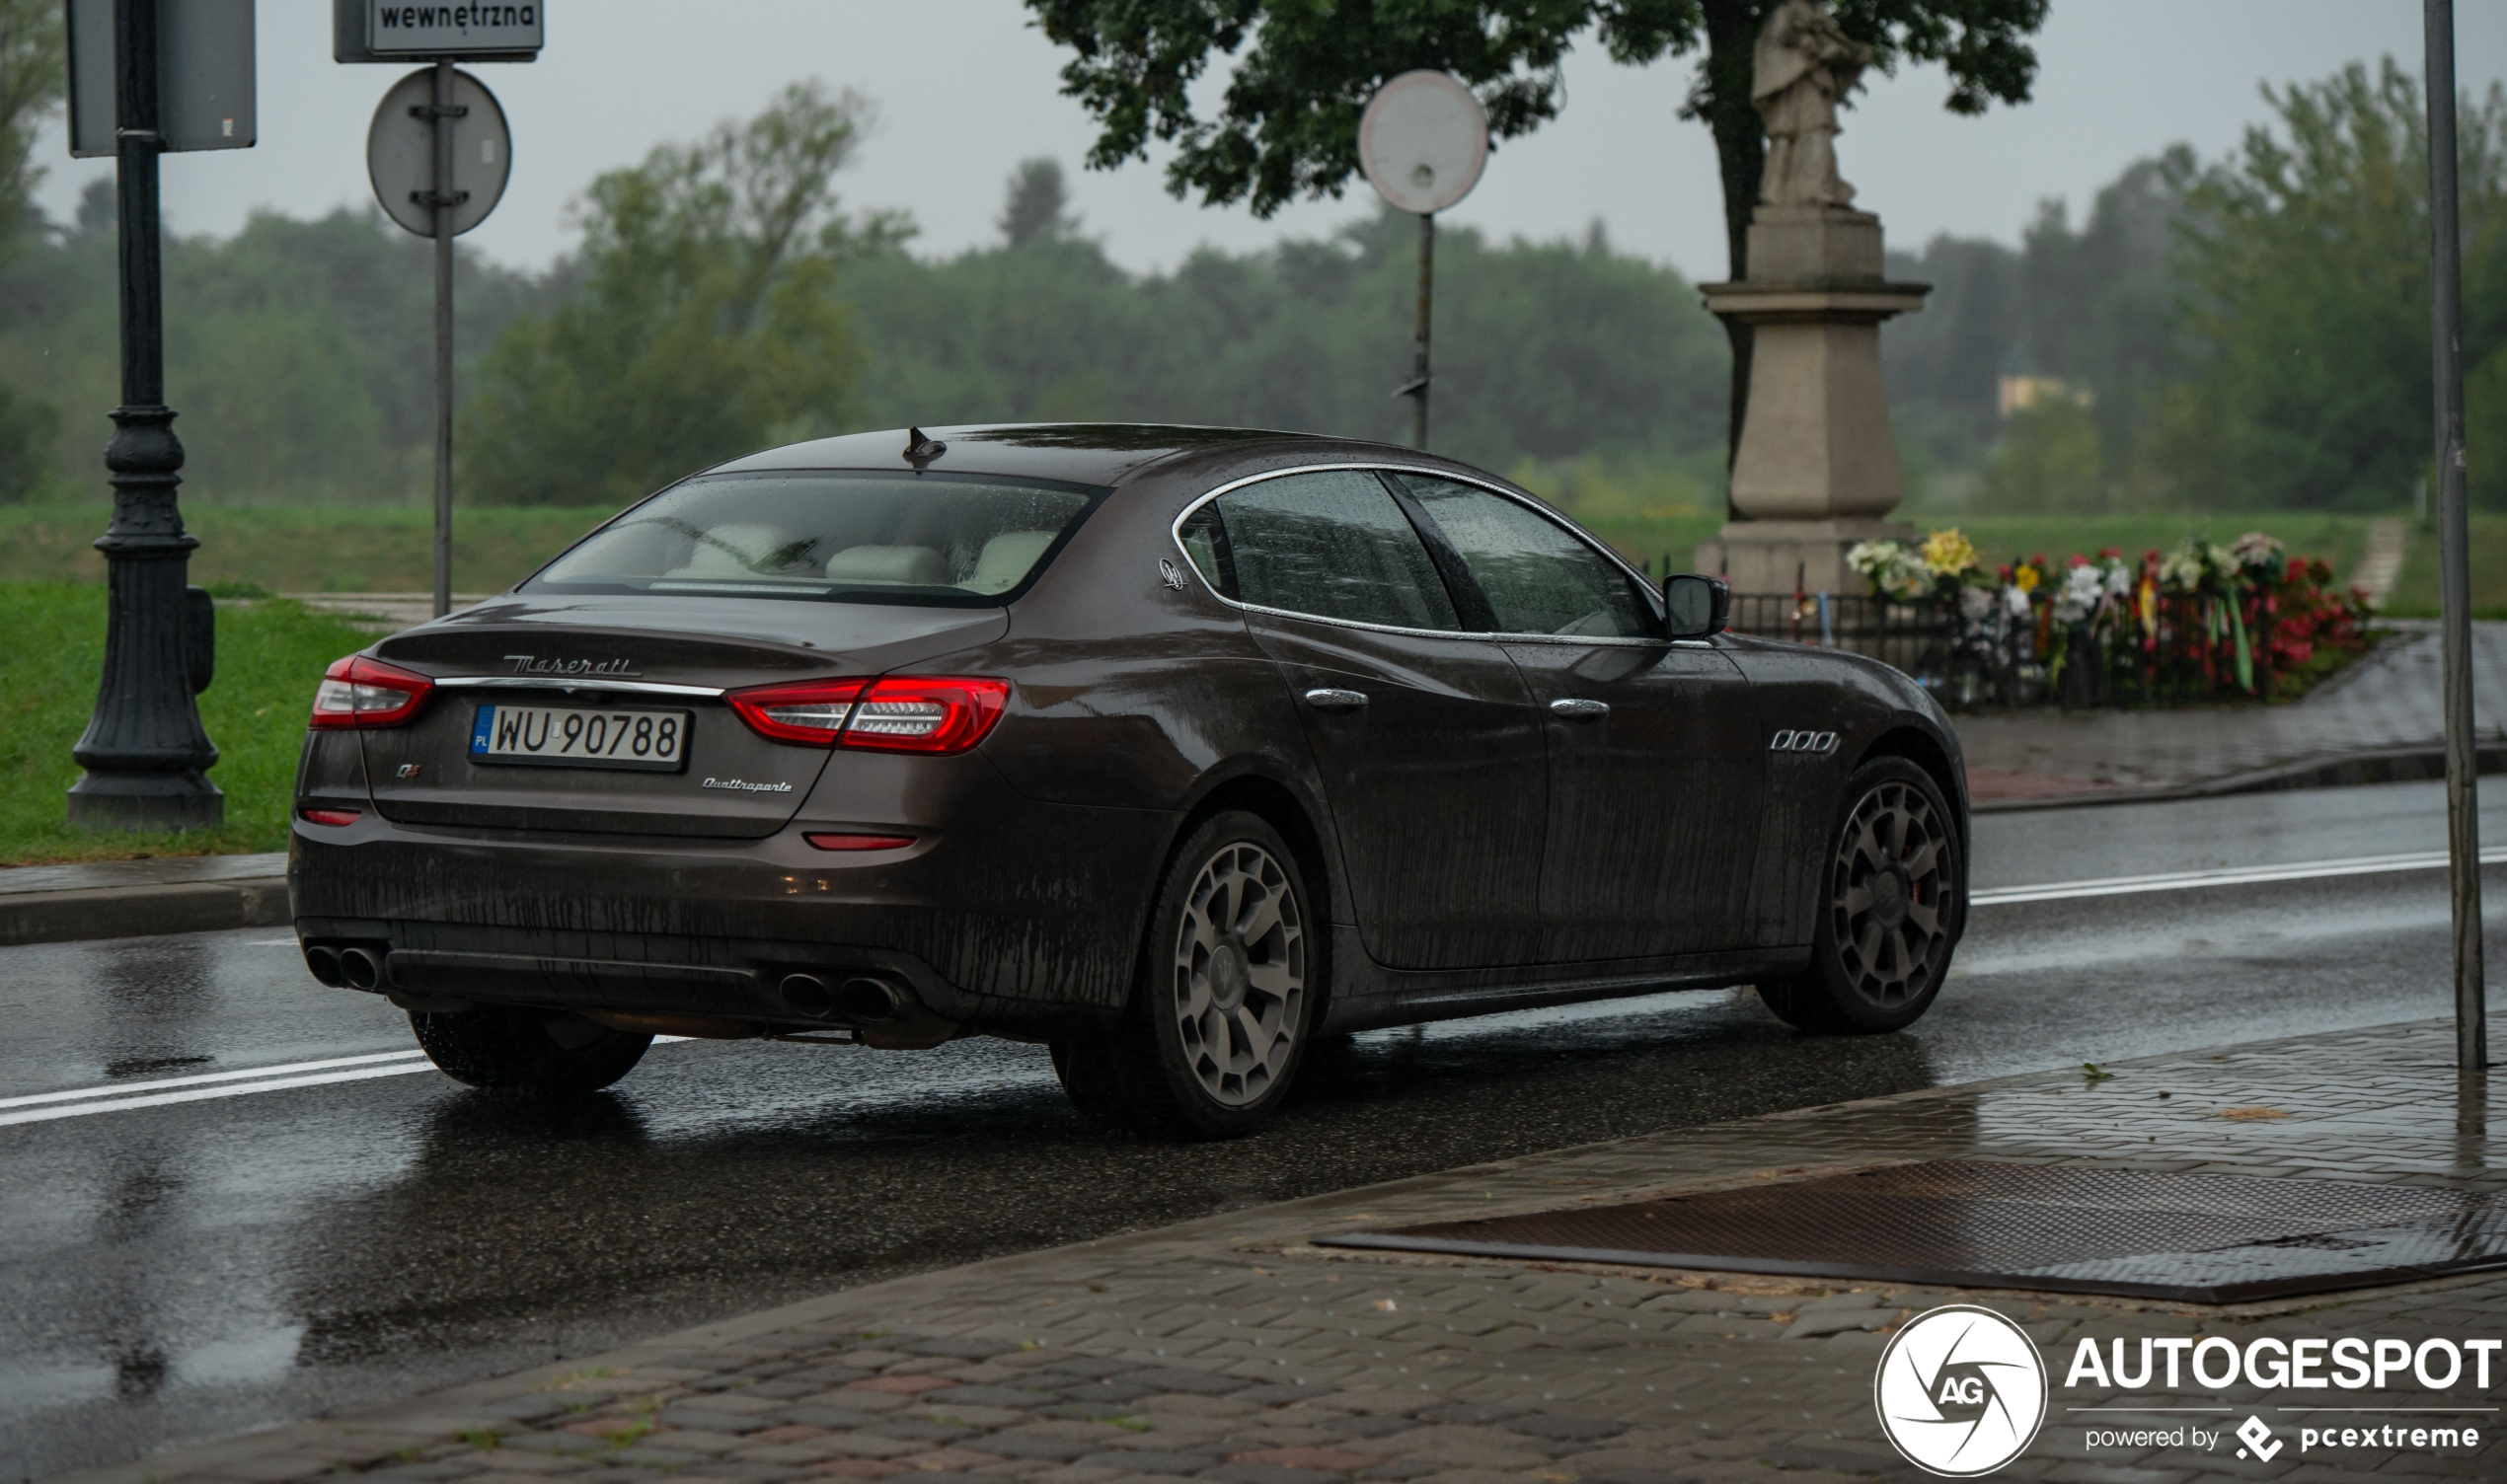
point(532, 664)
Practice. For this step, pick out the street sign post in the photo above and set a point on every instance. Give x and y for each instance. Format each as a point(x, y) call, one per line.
point(149, 76)
point(439, 154)
point(2455, 573)
point(1422, 142)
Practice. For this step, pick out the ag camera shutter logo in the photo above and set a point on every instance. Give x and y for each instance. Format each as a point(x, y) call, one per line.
point(1960, 1391)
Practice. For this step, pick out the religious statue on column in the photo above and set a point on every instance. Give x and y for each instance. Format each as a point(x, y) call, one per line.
point(1804, 67)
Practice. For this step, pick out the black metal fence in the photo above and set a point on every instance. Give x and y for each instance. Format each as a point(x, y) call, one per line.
point(1983, 667)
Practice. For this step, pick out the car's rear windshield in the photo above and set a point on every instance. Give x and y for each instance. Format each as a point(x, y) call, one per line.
point(837, 536)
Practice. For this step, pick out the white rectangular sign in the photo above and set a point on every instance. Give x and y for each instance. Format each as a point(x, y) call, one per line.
point(400, 27)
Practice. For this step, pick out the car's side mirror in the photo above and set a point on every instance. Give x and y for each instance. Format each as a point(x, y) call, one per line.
point(1697, 606)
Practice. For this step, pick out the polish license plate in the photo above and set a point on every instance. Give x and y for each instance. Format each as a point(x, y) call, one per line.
point(569, 736)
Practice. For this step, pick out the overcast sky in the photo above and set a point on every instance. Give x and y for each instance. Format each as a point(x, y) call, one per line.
point(967, 88)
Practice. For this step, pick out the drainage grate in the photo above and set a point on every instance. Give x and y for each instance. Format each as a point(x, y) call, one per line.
point(2064, 1229)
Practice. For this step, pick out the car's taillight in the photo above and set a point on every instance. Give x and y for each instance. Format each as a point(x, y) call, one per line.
point(935, 714)
point(335, 818)
point(810, 714)
point(926, 714)
point(363, 692)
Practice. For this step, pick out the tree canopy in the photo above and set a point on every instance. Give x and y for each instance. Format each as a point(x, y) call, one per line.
point(2307, 251)
point(1286, 124)
point(703, 324)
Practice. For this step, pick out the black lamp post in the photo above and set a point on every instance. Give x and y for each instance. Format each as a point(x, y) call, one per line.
point(144, 749)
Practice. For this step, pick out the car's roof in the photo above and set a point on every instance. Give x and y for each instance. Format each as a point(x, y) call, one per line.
point(1083, 453)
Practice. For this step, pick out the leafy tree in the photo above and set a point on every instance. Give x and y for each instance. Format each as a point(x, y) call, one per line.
point(1287, 123)
point(2306, 253)
point(32, 77)
point(2048, 463)
point(1558, 350)
point(296, 351)
point(34, 74)
point(1034, 205)
point(703, 323)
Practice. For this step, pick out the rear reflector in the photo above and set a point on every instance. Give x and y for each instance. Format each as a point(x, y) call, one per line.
point(331, 817)
point(364, 693)
point(930, 714)
point(832, 841)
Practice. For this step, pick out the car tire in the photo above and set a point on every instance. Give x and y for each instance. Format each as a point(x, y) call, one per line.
point(528, 1051)
point(1223, 1001)
point(1892, 903)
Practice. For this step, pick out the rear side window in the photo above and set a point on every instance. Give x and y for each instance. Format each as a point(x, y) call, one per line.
point(936, 540)
point(1333, 544)
point(1538, 576)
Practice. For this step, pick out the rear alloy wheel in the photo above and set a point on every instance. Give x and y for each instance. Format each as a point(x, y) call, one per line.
point(1891, 908)
point(528, 1051)
point(1220, 1015)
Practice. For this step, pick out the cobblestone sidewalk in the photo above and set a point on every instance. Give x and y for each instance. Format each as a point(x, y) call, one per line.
point(1231, 1351)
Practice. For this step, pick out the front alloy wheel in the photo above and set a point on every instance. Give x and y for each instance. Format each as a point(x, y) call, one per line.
point(1890, 909)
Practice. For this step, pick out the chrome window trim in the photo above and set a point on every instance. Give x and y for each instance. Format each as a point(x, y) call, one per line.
point(1174, 533)
point(572, 683)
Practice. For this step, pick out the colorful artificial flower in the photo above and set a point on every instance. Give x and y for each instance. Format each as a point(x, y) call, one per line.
point(1947, 553)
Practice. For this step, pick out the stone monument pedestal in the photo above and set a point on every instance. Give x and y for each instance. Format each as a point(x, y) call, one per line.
point(1817, 469)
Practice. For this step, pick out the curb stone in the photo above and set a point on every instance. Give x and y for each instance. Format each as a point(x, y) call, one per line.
point(59, 917)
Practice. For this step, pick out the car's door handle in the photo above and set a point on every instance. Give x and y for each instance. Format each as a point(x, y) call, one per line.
point(1326, 699)
point(1577, 708)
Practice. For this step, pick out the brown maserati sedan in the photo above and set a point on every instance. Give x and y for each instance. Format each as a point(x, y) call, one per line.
point(1170, 748)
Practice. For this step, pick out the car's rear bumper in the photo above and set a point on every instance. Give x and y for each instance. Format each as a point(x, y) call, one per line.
point(1006, 915)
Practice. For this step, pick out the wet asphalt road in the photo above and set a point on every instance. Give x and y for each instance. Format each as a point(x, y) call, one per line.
point(181, 1271)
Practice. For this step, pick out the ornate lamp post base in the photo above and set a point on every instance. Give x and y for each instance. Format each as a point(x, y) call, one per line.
point(150, 801)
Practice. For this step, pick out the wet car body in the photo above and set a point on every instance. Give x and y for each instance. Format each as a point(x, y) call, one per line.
point(1471, 843)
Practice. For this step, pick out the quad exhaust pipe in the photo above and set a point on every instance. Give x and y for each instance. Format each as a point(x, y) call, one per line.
point(351, 966)
point(361, 968)
point(858, 998)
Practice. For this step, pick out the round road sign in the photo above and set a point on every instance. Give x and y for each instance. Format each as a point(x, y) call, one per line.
point(400, 152)
point(1422, 141)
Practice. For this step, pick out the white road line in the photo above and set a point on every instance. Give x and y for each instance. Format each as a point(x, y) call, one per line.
point(2237, 875)
point(78, 1103)
point(124, 1090)
point(195, 1094)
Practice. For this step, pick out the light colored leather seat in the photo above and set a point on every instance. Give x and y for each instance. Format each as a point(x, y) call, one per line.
point(1007, 560)
point(745, 551)
point(914, 566)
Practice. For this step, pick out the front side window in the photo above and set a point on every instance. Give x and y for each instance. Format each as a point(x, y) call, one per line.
point(1333, 544)
point(1538, 577)
point(864, 538)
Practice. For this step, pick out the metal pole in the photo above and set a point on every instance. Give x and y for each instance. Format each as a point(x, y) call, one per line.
point(2454, 578)
point(443, 210)
point(144, 749)
point(1419, 354)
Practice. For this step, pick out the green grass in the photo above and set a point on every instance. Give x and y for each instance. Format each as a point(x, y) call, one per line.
point(271, 654)
point(2415, 592)
point(305, 548)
